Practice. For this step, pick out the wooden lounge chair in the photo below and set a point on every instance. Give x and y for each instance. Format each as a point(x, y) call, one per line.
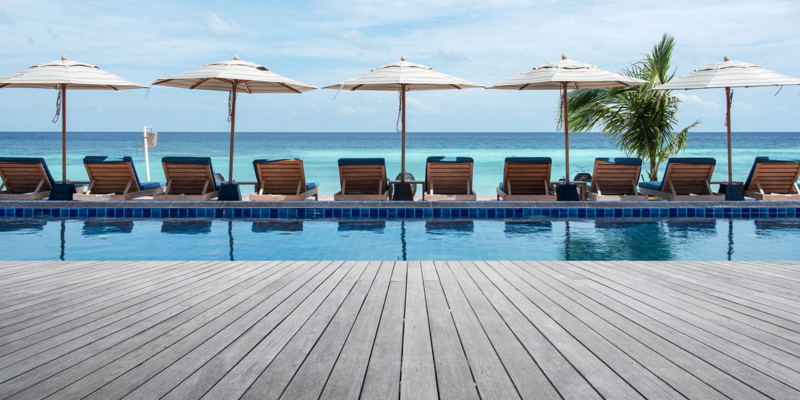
point(280, 180)
point(773, 179)
point(115, 179)
point(685, 179)
point(526, 179)
point(188, 179)
point(24, 178)
point(448, 178)
point(363, 179)
point(616, 179)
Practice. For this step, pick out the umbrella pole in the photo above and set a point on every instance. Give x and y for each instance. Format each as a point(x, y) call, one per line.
point(64, 133)
point(728, 123)
point(566, 128)
point(233, 124)
point(403, 118)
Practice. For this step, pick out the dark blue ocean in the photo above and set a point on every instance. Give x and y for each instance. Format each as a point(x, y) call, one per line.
point(320, 150)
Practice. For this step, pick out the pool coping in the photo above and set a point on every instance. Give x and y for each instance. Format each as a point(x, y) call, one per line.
point(149, 204)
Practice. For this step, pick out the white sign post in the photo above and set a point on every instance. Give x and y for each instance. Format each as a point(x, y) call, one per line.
point(146, 158)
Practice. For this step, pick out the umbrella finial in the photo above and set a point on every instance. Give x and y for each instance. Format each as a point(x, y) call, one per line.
point(727, 58)
point(564, 56)
point(63, 57)
point(403, 57)
point(236, 57)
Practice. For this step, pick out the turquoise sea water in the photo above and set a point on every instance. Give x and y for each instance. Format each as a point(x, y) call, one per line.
point(320, 151)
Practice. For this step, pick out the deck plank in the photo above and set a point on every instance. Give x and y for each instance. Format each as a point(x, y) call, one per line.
point(453, 375)
point(382, 380)
point(418, 375)
point(400, 329)
point(489, 372)
point(347, 377)
point(529, 379)
point(563, 375)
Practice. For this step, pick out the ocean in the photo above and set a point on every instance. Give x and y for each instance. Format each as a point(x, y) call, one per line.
point(321, 150)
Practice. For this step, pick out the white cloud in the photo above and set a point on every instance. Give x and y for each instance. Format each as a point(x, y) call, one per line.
point(743, 106)
point(222, 28)
point(349, 110)
point(357, 39)
point(694, 99)
point(418, 105)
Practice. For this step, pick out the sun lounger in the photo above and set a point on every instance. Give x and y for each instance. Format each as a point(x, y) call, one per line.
point(526, 179)
point(189, 179)
point(362, 179)
point(24, 178)
point(773, 179)
point(448, 178)
point(616, 179)
point(685, 179)
point(283, 179)
point(115, 179)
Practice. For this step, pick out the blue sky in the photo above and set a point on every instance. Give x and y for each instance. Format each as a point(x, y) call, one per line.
point(322, 42)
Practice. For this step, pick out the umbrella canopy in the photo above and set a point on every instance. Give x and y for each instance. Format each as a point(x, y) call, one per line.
point(62, 75)
point(563, 75)
point(234, 76)
point(250, 78)
point(403, 76)
point(729, 74)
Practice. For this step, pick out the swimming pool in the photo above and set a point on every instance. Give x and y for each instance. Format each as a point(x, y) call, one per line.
point(400, 239)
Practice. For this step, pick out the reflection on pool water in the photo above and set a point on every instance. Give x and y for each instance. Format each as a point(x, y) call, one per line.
point(445, 239)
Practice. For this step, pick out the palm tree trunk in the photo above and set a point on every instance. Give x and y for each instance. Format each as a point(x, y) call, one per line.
point(653, 170)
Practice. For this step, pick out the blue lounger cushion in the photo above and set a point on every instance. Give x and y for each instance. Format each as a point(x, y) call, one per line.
point(633, 161)
point(760, 160)
point(146, 185)
point(344, 162)
point(450, 159)
point(677, 160)
point(192, 161)
point(31, 160)
point(529, 160)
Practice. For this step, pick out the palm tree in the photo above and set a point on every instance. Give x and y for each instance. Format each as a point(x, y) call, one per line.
point(640, 121)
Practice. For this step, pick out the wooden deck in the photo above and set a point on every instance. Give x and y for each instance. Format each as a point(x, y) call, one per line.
point(410, 330)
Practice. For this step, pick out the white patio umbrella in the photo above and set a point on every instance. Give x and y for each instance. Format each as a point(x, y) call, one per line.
point(243, 76)
point(728, 74)
point(563, 75)
point(66, 75)
point(403, 76)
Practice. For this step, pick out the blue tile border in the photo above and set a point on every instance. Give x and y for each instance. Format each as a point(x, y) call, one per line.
point(403, 213)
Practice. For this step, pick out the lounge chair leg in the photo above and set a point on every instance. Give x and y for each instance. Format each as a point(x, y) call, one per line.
point(760, 190)
point(41, 182)
point(127, 187)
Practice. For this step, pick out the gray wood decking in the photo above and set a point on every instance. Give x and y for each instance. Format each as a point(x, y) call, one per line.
point(410, 330)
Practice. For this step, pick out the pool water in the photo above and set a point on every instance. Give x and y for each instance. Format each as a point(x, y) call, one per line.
point(433, 239)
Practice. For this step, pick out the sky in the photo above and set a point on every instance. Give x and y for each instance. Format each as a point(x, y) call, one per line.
point(323, 42)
